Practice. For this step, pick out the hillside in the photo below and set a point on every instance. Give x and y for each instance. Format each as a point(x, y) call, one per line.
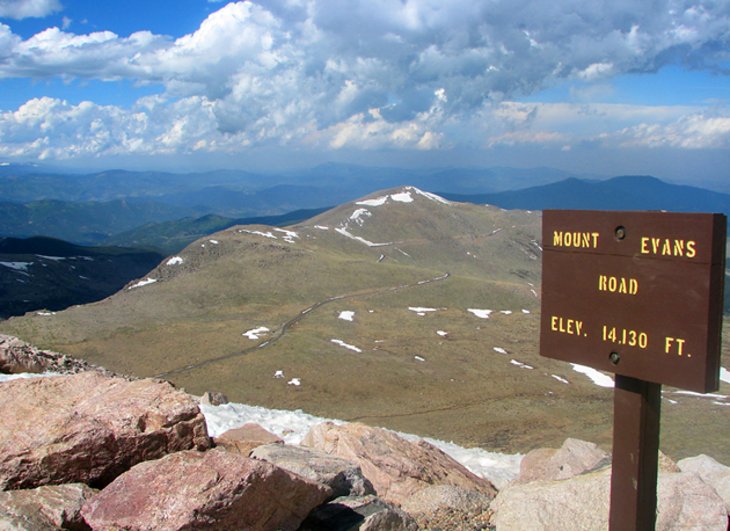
point(400, 309)
point(173, 236)
point(45, 273)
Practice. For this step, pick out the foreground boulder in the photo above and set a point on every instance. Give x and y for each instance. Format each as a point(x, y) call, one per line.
point(90, 428)
point(214, 490)
point(582, 502)
point(51, 507)
point(575, 457)
point(397, 468)
point(711, 472)
point(342, 476)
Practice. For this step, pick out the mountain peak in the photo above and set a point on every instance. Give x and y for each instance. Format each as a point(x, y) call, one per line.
point(403, 194)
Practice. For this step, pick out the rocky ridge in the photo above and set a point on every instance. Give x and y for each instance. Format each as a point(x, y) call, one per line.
point(96, 451)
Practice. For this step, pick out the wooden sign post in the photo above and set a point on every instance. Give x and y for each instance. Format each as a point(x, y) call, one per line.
point(638, 294)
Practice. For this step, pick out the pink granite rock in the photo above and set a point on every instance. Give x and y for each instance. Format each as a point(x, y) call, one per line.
point(90, 428)
point(214, 490)
point(18, 356)
point(397, 468)
point(49, 507)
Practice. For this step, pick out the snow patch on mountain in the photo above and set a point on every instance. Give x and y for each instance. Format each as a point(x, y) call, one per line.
point(346, 345)
point(144, 282)
point(402, 197)
point(420, 310)
point(175, 260)
point(289, 235)
point(345, 232)
point(18, 266)
point(346, 315)
point(597, 377)
point(359, 216)
point(256, 333)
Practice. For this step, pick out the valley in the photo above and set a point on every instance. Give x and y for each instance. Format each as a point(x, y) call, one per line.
point(400, 309)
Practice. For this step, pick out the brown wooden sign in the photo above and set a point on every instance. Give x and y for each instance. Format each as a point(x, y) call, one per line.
point(638, 294)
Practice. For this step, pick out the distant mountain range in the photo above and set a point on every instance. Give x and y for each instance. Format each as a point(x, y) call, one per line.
point(167, 211)
point(618, 193)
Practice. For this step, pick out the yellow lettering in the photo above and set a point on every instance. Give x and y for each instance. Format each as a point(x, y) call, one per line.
point(586, 240)
point(678, 247)
point(668, 247)
point(691, 251)
point(669, 346)
point(563, 325)
point(623, 285)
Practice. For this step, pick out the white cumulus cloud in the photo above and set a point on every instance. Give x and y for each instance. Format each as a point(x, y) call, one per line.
point(420, 74)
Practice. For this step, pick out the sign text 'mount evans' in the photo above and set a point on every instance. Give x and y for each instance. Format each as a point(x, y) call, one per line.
point(635, 293)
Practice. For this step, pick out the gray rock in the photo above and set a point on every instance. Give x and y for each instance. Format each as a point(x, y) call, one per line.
point(358, 513)
point(437, 497)
point(715, 474)
point(582, 502)
point(343, 477)
point(574, 457)
point(214, 490)
point(213, 398)
point(246, 438)
point(50, 507)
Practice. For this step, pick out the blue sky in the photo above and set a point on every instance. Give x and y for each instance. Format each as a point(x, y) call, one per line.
point(598, 87)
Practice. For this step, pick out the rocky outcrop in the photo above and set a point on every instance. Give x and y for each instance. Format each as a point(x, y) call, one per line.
point(342, 476)
point(213, 490)
point(90, 428)
point(582, 502)
point(397, 468)
point(50, 507)
point(358, 513)
point(574, 457)
point(17, 356)
point(246, 438)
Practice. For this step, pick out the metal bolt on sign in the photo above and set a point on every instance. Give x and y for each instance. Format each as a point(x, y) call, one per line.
point(638, 294)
